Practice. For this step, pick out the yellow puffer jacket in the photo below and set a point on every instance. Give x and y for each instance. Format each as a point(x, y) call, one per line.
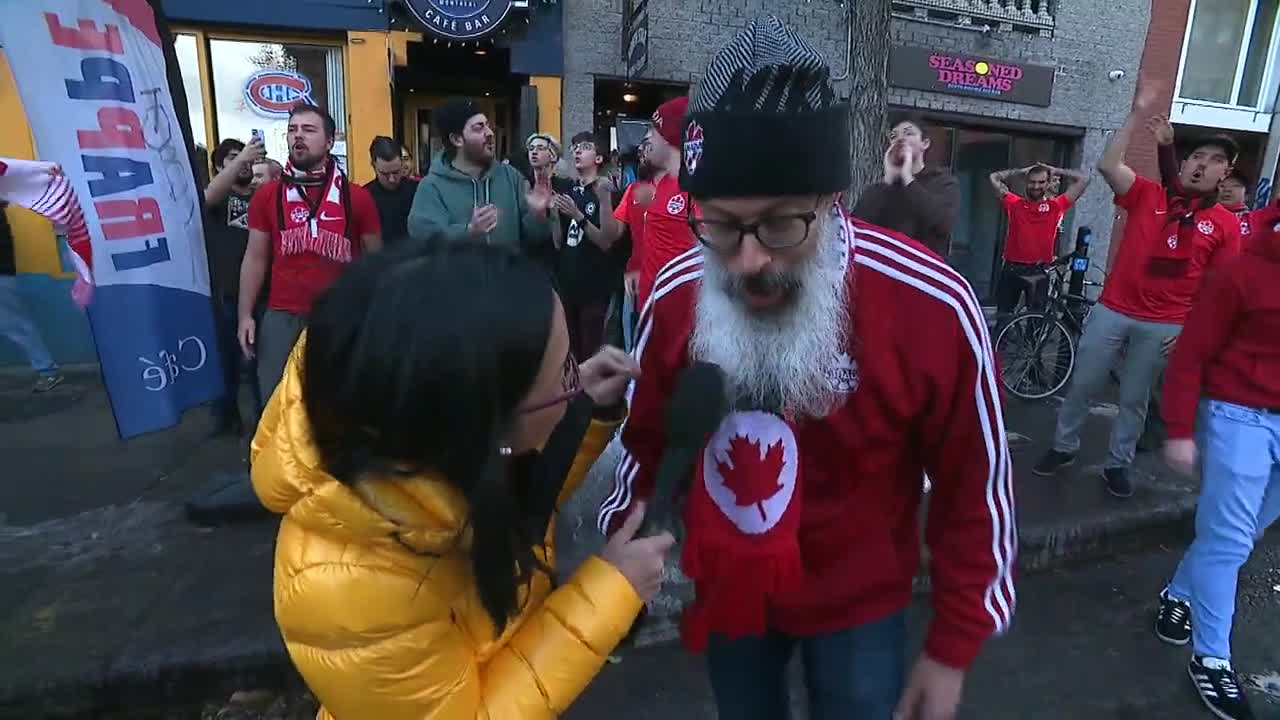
point(383, 632)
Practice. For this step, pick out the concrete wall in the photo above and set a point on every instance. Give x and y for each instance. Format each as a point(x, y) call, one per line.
point(1091, 38)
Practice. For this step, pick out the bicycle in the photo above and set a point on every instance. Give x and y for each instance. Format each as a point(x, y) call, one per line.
point(1037, 347)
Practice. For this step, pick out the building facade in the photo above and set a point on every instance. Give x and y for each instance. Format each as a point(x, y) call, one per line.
point(1059, 106)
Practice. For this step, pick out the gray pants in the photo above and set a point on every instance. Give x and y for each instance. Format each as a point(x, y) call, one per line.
point(1106, 333)
point(16, 325)
point(277, 334)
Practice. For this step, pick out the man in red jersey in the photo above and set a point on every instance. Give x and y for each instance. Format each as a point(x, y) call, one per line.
point(1034, 221)
point(1171, 237)
point(1233, 191)
point(304, 229)
point(658, 228)
point(802, 516)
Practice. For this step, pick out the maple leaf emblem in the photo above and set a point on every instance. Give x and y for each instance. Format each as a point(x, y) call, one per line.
point(752, 475)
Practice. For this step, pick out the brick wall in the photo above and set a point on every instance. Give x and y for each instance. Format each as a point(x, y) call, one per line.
point(1160, 57)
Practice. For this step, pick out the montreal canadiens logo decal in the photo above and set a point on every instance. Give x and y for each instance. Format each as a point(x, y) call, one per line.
point(675, 205)
point(1205, 227)
point(693, 147)
point(749, 469)
point(273, 93)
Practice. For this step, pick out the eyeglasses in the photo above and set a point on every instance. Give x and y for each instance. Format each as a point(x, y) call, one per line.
point(777, 232)
point(571, 388)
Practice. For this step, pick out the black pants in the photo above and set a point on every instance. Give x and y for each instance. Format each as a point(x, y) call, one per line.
point(236, 368)
point(586, 327)
point(1017, 280)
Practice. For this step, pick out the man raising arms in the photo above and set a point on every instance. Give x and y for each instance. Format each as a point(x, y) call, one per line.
point(1171, 237)
point(1034, 221)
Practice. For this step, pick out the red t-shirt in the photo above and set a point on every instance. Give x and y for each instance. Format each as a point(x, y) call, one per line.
point(630, 212)
point(1033, 227)
point(1158, 268)
point(665, 228)
point(297, 279)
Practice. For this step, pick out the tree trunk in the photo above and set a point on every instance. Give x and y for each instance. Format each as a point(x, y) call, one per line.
point(868, 70)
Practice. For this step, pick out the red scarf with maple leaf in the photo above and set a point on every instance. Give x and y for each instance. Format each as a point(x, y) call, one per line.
point(742, 519)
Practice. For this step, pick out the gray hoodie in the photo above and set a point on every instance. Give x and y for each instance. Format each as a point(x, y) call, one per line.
point(446, 198)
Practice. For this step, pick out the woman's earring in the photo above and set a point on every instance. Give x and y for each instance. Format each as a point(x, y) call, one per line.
point(504, 451)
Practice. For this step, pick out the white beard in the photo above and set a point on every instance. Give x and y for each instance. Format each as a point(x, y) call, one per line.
point(779, 361)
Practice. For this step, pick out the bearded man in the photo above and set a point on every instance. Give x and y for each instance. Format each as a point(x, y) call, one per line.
point(855, 360)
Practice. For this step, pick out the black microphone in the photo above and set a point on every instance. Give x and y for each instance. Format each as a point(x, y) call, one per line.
point(697, 407)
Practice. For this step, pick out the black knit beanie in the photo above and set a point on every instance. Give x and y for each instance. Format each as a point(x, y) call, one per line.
point(452, 116)
point(767, 94)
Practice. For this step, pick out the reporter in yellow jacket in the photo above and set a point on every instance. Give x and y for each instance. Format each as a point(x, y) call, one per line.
point(429, 424)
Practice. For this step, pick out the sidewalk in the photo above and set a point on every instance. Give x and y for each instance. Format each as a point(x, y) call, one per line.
point(102, 581)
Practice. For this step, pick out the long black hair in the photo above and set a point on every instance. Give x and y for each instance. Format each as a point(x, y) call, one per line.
point(416, 360)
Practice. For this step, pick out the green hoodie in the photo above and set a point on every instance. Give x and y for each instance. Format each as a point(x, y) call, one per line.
point(446, 198)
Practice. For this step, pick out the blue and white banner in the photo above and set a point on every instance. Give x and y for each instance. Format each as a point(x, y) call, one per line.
point(93, 81)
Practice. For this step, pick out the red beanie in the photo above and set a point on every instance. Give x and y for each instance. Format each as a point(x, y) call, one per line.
point(669, 119)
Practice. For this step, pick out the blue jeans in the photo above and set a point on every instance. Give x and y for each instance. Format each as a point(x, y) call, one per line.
point(16, 325)
point(236, 367)
point(1239, 499)
point(853, 674)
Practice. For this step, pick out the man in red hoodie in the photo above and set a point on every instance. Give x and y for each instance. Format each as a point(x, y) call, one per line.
point(802, 515)
point(1227, 362)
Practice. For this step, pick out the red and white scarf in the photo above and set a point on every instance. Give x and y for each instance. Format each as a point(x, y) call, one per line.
point(320, 229)
point(45, 189)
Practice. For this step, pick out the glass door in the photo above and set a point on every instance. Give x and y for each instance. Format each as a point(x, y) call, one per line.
point(975, 242)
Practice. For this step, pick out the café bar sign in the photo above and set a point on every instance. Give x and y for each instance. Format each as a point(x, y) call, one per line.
point(975, 76)
point(464, 20)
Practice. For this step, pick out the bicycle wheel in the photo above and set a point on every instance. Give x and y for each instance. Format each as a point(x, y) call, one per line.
point(1037, 355)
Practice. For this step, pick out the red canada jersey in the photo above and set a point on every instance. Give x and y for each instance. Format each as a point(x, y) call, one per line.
point(913, 402)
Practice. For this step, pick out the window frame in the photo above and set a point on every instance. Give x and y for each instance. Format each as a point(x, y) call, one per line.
point(1231, 115)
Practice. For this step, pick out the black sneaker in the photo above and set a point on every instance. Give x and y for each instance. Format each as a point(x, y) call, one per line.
point(1219, 688)
point(1052, 462)
point(1173, 620)
point(1118, 482)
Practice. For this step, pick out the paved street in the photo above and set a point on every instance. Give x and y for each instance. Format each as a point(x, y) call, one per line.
point(1081, 647)
point(108, 595)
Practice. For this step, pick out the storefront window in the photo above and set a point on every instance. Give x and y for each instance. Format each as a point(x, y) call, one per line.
point(256, 83)
point(189, 64)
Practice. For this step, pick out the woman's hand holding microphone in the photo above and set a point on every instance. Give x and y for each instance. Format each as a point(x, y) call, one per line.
point(605, 378)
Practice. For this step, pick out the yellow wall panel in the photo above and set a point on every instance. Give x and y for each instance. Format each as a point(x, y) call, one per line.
point(368, 98)
point(35, 248)
point(549, 87)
